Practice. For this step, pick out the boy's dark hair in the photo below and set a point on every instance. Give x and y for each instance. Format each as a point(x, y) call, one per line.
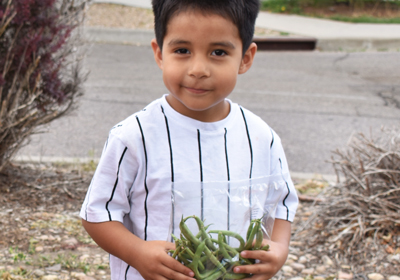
point(242, 13)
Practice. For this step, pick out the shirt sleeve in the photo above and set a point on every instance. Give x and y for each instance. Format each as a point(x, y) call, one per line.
point(287, 206)
point(107, 198)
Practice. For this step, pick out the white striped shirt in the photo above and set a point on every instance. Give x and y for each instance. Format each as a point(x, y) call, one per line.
point(157, 146)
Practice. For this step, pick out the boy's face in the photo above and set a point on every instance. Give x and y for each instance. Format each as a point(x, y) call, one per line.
point(201, 59)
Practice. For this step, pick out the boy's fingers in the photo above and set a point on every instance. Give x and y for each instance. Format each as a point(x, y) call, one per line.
point(169, 246)
point(176, 266)
point(261, 255)
point(253, 269)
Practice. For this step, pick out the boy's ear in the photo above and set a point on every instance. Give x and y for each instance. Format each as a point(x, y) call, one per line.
point(157, 53)
point(248, 58)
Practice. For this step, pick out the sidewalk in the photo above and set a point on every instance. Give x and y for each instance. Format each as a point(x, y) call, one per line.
point(329, 35)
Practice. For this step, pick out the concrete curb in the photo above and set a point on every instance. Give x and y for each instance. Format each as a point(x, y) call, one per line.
point(142, 37)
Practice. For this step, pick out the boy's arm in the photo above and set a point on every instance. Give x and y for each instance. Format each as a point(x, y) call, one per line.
point(271, 261)
point(150, 258)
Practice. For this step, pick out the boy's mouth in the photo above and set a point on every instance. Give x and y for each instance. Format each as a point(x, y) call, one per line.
point(196, 90)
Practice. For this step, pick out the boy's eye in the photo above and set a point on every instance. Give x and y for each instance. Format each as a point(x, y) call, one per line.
point(218, 53)
point(182, 51)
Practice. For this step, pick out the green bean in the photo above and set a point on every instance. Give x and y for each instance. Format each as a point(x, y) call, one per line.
point(214, 276)
point(204, 234)
point(234, 252)
point(250, 238)
point(187, 233)
point(194, 265)
point(259, 239)
point(228, 276)
point(221, 246)
point(231, 234)
point(265, 248)
point(249, 229)
point(210, 258)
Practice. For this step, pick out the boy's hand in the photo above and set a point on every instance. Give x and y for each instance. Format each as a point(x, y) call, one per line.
point(154, 263)
point(271, 261)
point(150, 258)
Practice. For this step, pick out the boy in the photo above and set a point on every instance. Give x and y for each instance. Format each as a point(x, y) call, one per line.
point(193, 133)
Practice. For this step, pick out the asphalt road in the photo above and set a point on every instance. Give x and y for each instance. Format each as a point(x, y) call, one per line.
point(315, 101)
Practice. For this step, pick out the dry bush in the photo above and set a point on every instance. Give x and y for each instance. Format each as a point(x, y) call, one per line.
point(358, 219)
point(40, 66)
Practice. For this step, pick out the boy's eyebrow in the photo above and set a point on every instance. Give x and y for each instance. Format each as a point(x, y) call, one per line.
point(177, 42)
point(226, 44)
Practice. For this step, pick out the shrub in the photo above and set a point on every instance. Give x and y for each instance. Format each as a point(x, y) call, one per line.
point(40, 66)
point(358, 219)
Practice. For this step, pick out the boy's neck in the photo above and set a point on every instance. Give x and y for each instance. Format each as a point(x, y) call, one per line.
point(216, 113)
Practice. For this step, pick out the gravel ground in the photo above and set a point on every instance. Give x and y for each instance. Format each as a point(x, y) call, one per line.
point(119, 16)
point(41, 235)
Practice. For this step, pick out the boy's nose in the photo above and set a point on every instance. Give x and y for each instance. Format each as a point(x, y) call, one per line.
point(199, 68)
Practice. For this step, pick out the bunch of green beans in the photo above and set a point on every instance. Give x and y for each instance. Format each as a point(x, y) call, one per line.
point(210, 258)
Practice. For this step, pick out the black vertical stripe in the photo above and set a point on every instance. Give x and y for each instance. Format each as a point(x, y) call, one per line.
point(201, 173)
point(126, 272)
point(250, 146)
point(172, 169)
point(170, 146)
point(284, 200)
point(145, 180)
point(226, 156)
point(251, 159)
point(115, 184)
point(229, 178)
point(273, 138)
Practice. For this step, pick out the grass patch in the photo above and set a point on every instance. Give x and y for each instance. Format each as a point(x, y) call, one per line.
point(364, 19)
point(373, 12)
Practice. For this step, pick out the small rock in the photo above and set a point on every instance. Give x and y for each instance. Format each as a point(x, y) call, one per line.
point(78, 275)
point(303, 260)
point(327, 261)
point(287, 269)
point(38, 273)
point(84, 257)
point(298, 266)
point(345, 266)
point(321, 269)
point(375, 276)
point(319, 278)
point(70, 242)
point(23, 229)
point(308, 271)
point(389, 249)
point(289, 262)
point(39, 248)
point(297, 278)
point(56, 267)
point(344, 275)
point(394, 277)
point(292, 257)
point(43, 237)
point(394, 258)
point(50, 277)
point(101, 272)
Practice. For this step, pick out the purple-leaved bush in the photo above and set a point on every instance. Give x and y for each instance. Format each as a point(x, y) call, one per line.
point(40, 73)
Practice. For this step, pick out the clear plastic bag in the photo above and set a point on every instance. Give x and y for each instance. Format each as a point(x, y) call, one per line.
point(212, 222)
